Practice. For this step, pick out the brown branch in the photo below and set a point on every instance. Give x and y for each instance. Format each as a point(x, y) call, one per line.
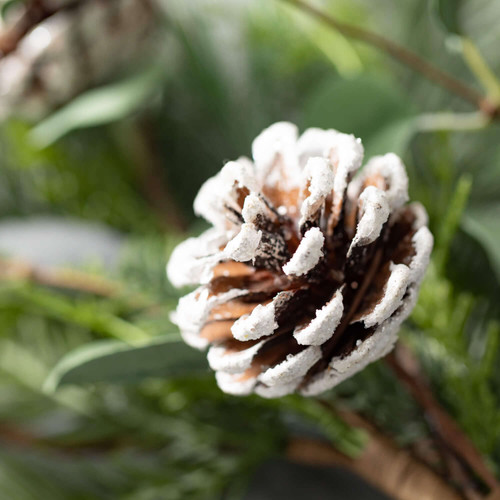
point(13, 435)
point(22, 438)
point(406, 367)
point(66, 279)
point(34, 13)
point(432, 452)
point(407, 57)
point(382, 463)
point(458, 472)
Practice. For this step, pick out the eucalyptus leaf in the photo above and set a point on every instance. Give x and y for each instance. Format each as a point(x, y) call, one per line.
point(98, 106)
point(447, 12)
point(482, 223)
point(116, 362)
point(371, 108)
point(393, 137)
point(7, 5)
point(470, 268)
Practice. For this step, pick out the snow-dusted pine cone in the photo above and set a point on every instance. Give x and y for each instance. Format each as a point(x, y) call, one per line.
point(308, 271)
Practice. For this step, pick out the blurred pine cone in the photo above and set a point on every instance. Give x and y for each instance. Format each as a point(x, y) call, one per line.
point(308, 271)
point(51, 50)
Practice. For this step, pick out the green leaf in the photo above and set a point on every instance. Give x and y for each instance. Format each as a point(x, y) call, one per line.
point(371, 108)
point(451, 219)
point(116, 362)
point(470, 269)
point(98, 106)
point(447, 12)
point(482, 223)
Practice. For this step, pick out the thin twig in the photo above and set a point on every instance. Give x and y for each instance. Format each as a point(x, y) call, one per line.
point(13, 435)
point(407, 57)
point(34, 13)
point(480, 68)
point(458, 473)
point(471, 121)
point(407, 369)
point(67, 279)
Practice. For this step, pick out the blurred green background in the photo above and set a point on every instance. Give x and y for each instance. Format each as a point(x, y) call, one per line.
point(112, 115)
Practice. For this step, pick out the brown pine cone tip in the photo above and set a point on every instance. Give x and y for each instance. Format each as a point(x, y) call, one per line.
point(308, 271)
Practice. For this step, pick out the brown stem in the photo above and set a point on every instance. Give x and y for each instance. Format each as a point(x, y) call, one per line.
point(68, 279)
point(34, 13)
point(407, 369)
point(13, 435)
point(433, 453)
point(382, 463)
point(21, 438)
point(146, 157)
point(407, 57)
point(457, 472)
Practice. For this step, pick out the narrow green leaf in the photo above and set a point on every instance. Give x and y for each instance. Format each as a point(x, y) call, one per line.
point(116, 362)
point(451, 220)
point(98, 106)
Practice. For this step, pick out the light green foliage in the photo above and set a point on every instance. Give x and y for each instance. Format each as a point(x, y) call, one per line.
point(99, 106)
point(460, 352)
point(133, 417)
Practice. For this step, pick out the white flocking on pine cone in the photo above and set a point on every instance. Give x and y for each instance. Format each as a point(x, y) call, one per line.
point(308, 271)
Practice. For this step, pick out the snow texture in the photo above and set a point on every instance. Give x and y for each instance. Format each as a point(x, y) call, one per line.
point(308, 253)
point(259, 323)
point(323, 325)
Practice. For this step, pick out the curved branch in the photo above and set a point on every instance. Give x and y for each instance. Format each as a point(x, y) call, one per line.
point(407, 57)
point(387, 467)
point(407, 369)
point(34, 13)
point(12, 269)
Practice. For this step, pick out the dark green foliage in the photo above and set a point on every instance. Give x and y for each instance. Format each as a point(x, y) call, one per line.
point(115, 362)
point(378, 111)
point(448, 13)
